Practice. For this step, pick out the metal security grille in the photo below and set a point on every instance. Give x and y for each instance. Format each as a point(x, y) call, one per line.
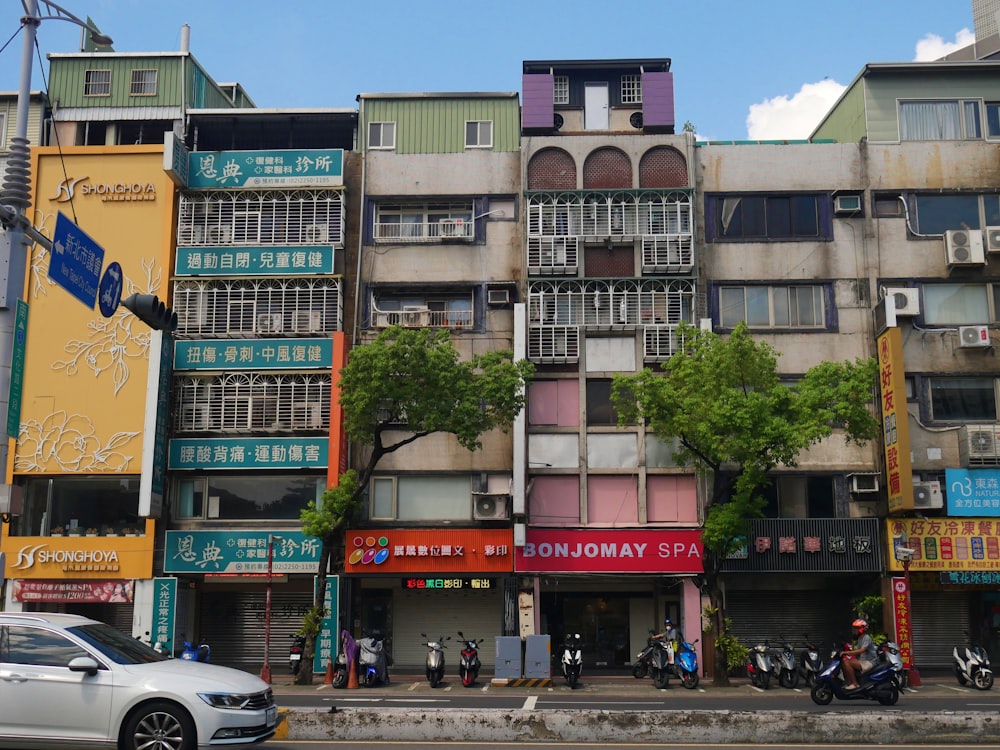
point(266, 217)
point(824, 614)
point(235, 308)
point(939, 622)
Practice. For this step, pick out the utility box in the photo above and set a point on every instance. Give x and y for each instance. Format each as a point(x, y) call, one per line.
point(538, 657)
point(508, 658)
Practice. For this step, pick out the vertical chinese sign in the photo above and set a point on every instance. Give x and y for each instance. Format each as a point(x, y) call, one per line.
point(895, 424)
point(901, 613)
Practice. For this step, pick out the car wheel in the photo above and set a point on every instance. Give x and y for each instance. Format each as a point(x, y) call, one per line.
point(159, 725)
point(983, 680)
point(822, 694)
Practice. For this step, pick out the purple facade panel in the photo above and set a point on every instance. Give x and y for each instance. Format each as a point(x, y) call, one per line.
point(658, 99)
point(537, 95)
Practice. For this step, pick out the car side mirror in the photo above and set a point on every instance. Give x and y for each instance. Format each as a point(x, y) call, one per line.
point(84, 664)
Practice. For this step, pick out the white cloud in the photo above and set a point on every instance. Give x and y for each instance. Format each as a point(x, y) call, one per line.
point(795, 117)
point(933, 47)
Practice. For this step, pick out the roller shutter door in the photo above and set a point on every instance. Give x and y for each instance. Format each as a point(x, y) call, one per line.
point(478, 614)
point(766, 615)
point(939, 622)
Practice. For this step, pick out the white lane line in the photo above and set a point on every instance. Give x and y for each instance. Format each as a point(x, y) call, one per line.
point(529, 703)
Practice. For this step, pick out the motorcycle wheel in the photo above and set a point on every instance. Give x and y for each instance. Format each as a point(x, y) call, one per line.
point(960, 676)
point(340, 678)
point(571, 678)
point(369, 679)
point(888, 696)
point(467, 679)
point(810, 679)
point(434, 679)
point(689, 679)
point(821, 694)
point(789, 679)
point(639, 670)
point(294, 667)
point(765, 680)
point(661, 680)
point(983, 680)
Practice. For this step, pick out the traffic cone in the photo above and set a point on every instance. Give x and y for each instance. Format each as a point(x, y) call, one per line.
point(328, 679)
point(352, 674)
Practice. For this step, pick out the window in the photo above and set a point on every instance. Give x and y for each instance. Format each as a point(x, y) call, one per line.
point(937, 213)
point(246, 498)
point(35, 647)
point(772, 306)
point(382, 135)
point(143, 83)
point(102, 503)
point(963, 399)
point(97, 83)
point(429, 221)
point(599, 408)
point(888, 205)
point(993, 119)
point(632, 88)
point(799, 497)
point(939, 120)
point(771, 217)
point(426, 498)
point(560, 85)
point(479, 134)
point(961, 304)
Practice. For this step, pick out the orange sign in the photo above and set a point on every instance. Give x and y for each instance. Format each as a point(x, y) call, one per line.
point(895, 423)
point(381, 551)
point(80, 557)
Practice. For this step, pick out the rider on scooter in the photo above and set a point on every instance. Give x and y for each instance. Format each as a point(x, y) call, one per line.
point(864, 649)
point(672, 634)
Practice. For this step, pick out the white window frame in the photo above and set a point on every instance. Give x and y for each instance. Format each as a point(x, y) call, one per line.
point(560, 89)
point(97, 82)
point(384, 129)
point(777, 296)
point(143, 82)
point(632, 88)
point(967, 118)
point(483, 131)
point(956, 304)
point(415, 503)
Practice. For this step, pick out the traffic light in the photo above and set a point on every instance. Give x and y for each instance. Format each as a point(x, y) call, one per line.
point(152, 312)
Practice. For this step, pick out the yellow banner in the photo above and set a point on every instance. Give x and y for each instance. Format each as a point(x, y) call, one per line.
point(895, 423)
point(941, 544)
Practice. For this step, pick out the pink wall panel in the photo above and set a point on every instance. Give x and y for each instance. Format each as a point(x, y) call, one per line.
point(612, 500)
point(555, 501)
point(554, 402)
point(671, 499)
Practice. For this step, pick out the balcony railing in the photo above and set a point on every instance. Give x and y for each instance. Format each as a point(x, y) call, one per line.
point(422, 317)
point(445, 230)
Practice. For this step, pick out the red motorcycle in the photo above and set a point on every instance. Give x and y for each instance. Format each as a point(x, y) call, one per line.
point(469, 663)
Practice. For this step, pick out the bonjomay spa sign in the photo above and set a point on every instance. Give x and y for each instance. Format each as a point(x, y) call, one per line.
point(610, 551)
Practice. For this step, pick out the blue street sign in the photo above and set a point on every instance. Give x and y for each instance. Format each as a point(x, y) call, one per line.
point(76, 260)
point(110, 291)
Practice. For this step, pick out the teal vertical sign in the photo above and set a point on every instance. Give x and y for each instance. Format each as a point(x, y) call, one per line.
point(164, 609)
point(17, 369)
point(329, 632)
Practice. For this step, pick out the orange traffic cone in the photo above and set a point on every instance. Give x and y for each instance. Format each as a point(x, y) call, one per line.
point(352, 674)
point(328, 679)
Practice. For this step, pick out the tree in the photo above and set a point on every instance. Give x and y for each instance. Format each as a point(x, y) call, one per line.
point(735, 421)
point(412, 377)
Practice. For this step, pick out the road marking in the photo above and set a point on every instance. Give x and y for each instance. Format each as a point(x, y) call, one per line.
point(529, 703)
point(485, 687)
point(413, 687)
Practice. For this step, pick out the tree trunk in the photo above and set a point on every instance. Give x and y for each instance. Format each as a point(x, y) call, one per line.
point(721, 676)
point(305, 675)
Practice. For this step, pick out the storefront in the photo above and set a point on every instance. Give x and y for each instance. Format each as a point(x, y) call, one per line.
point(611, 586)
point(434, 581)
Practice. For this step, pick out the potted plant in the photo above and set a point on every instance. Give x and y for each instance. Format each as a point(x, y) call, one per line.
point(91, 531)
point(73, 531)
point(128, 531)
point(110, 531)
point(57, 531)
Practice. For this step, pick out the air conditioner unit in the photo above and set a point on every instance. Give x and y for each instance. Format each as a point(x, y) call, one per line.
point(307, 321)
point(964, 247)
point(927, 495)
point(993, 239)
point(498, 296)
point(979, 445)
point(220, 235)
point(269, 323)
point(195, 417)
point(451, 228)
point(415, 317)
point(864, 483)
point(847, 204)
point(490, 508)
point(907, 300)
point(974, 337)
point(197, 234)
point(386, 319)
point(316, 233)
point(307, 415)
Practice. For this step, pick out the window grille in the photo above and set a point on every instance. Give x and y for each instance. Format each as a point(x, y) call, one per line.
point(97, 83)
point(632, 88)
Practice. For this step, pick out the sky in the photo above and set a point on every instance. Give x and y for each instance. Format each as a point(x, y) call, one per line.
point(743, 69)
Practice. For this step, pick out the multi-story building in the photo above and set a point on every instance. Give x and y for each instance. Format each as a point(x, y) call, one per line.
point(611, 542)
point(439, 248)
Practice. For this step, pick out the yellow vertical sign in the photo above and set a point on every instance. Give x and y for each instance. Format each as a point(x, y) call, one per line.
point(895, 423)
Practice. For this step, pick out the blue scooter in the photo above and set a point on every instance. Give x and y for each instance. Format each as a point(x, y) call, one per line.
point(195, 653)
point(880, 683)
point(686, 665)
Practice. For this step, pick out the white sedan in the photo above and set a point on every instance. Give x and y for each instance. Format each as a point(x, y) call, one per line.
point(67, 680)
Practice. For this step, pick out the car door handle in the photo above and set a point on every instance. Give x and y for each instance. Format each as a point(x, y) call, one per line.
point(14, 678)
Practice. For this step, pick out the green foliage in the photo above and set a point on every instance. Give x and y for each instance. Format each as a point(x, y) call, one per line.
point(337, 509)
point(870, 607)
point(312, 622)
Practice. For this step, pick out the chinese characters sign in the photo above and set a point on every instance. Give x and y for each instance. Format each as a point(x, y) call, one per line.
point(948, 543)
point(376, 551)
point(973, 492)
point(895, 423)
point(253, 354)
point(248, 453)
point(808, 545)
point(266, 169)
point(164, 610)
point(239, 552)
point(103, 592)
point(254, 261)
point(901, 613)
point(447, 583)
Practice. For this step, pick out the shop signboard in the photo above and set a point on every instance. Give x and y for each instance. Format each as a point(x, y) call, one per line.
point(240, 552)
point(973, 492)
point(610, 551)
point(297, 260)
point(429, 551)
point(948, 544)
point(248, 453)
point(282, 168)
point(253, 354)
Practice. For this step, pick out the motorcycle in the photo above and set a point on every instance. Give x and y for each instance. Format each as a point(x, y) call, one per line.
point(659, 663)
point(809, 662)
point(972, 665)
point(434, 665)
point(759, 665)
point(469, 664)
point(784, 665)
point(347, 646)
point(889, 652)
point(572, 659)
point(686, 665)
point(640, 667)
point(880, 683)
point(200, 652)
point(295, 653)
point(373, 661)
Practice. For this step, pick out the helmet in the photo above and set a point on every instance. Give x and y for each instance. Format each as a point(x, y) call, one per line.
point(860, 625)
point(667, 621)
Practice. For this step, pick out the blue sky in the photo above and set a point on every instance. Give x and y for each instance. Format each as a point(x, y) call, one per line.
point(742, 68)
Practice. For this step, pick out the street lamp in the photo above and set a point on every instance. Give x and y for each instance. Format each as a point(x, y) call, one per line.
point(15, 198)
point(905, 555)
point(265, 671)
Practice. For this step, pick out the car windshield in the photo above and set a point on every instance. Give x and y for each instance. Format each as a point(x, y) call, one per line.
point(115, 645)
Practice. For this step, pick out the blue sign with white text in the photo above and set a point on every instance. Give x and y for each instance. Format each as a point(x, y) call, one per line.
point(266, 169)
point(973, 492)
point(75, 261)
point(244, 552)
point(248, 453)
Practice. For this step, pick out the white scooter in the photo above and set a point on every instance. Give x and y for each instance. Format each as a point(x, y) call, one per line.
point(572, 659)
point(972, 665)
